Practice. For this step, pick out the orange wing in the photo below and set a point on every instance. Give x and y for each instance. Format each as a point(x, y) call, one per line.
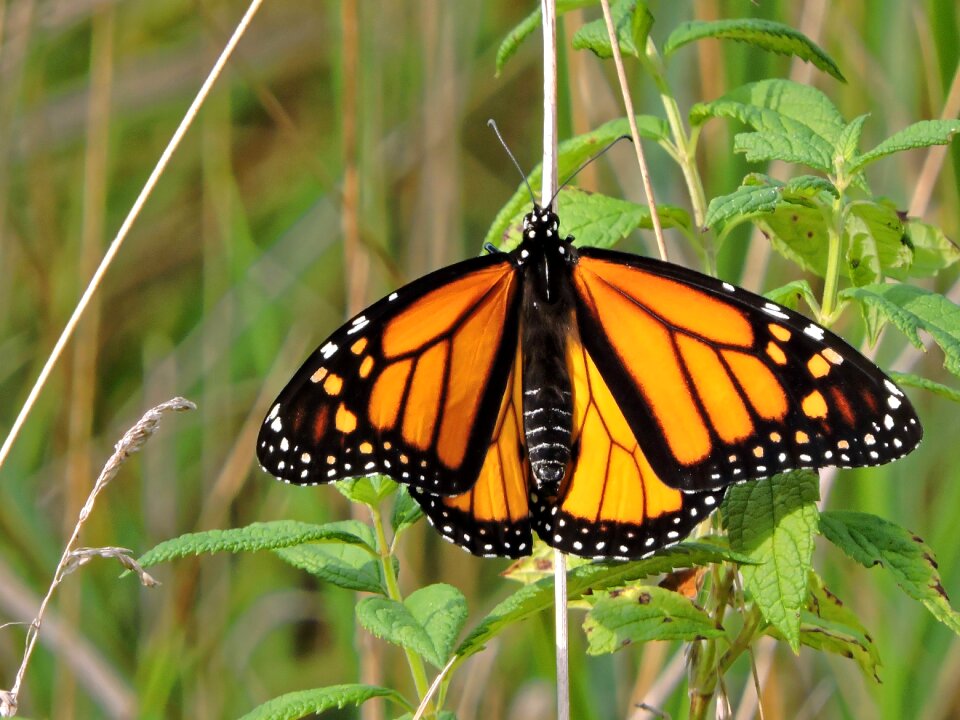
point(612, 503)
point(493, 517)
point(719, 385)
point(410, 388)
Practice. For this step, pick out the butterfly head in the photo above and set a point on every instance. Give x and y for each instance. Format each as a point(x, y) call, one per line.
point(544, 253)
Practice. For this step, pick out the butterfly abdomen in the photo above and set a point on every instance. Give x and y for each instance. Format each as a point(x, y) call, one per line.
point(547, 395)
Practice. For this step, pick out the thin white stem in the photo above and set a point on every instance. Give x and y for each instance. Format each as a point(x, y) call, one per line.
point(124, 230)
point(634, 132)
point(433, 688)
point(561, 633)
point(549, 182)
point(548, 188)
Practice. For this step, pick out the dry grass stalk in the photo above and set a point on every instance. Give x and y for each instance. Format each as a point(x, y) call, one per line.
point(73, 557)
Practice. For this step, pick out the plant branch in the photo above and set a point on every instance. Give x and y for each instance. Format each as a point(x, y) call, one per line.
point(634, 132)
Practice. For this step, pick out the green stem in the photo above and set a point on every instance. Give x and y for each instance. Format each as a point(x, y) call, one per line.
point(703, 674)
point(417, 670)
point(686, 146)
point(832, 277)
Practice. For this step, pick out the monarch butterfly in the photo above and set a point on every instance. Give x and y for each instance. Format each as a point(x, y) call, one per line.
point(602, 399)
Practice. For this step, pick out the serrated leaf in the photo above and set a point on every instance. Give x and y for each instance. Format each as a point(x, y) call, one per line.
point(917, 381)
point(310, 702)
point(764, 34)
point(850, 137)
point(871, 540)
point(773, 521)
point(932, 250)
point(442, 610)
point(912, 309)
point(570, 155)
point(790, 295)
point(641, 614)
point(875, 245)
point(798, 233)
point(768, 146)
point(527, 26)
point(427, 622)
point(350, 566)
point(632, 22)
point(253, 537)
point(531, 599)
point(829, 625)
point(785, 108)
point(406, 511)
point(369, 491)
point(597, 220)
point(920, 134)
point(744, 202)
point(809, 186)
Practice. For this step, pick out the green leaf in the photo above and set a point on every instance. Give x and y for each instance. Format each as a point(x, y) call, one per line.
point(913, 309)
point(531, 599)
point(850, 138)
point(744, 202)
point(871, 540)
point(311, 702)
point(406, 511)
point(527, 26)
point(349, 566)
point(782, 108)
point(790, 295)
point(632, 21)
point(768, 146)
point(932, 250)
point(643, 613)
point(763, 34)
point(799, 234)
point(571, 154)
point(597, 220)
point(808, 187)
point(917, 381)
point(427, 622)
point(369, 491)
point(920, 134)
point(253, 537)
point(828, 625)
point(875, 245)
point(773, 522)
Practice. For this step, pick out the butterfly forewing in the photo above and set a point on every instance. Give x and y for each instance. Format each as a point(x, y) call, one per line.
point(410, 388)
point(720, 385)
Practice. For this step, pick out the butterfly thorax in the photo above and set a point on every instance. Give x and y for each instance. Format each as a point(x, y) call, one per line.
point(547, 316)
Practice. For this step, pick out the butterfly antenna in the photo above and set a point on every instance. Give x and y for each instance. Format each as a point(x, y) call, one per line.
point(585, 163)
point(492, 123)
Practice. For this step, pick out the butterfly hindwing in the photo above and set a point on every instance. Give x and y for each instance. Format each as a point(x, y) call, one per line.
point(409, 388)
point(493, 517)
point(721, 385)
point(612, 504)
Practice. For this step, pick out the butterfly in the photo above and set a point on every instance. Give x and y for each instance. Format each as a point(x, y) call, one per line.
point(601, 399)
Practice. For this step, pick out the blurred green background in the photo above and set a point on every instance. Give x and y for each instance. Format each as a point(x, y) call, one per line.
point(346, 151)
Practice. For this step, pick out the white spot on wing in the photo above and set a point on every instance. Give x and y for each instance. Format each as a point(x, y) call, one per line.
point(814, 331)
point(328, 350)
